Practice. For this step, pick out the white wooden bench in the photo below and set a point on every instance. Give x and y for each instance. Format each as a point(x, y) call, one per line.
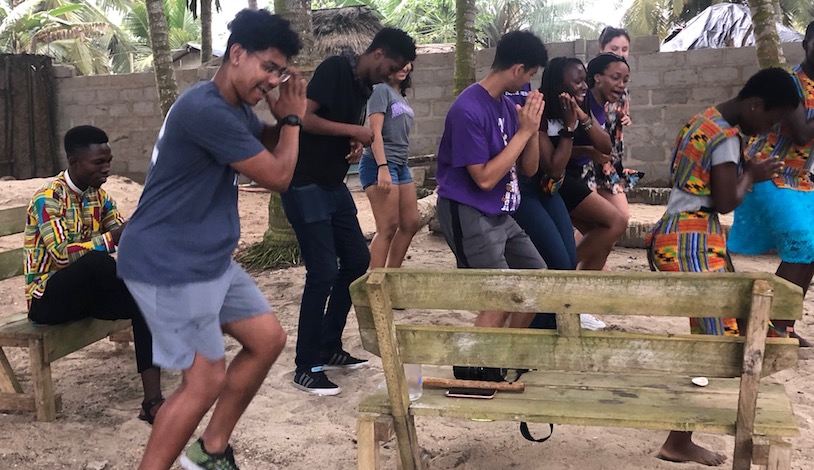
point(587, 378)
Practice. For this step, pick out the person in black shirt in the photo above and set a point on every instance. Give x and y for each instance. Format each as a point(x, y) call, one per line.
point(320, 207)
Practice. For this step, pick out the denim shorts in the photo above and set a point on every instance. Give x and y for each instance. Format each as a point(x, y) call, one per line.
point(369, 172)
point(187, 318)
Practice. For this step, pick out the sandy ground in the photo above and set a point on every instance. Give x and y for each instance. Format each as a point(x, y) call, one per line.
point(287, 429)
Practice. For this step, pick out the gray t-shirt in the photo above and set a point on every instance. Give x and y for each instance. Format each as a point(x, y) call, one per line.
point(729, 151)
point(398, 119)
point(186, 224)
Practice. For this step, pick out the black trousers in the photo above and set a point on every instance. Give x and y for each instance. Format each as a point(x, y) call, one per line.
point(89, 288)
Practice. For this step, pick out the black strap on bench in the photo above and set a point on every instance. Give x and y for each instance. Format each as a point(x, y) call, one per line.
point(524, 431)
point(524, 426)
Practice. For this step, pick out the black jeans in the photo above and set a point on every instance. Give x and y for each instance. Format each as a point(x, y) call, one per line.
point(89, 288)
point(324, 220)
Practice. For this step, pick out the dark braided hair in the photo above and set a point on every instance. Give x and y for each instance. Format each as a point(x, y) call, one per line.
point(553, 83)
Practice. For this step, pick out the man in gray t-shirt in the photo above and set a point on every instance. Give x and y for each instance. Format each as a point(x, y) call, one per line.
point(175, 255)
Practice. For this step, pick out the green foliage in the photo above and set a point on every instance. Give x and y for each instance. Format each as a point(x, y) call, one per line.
point(182, 28)
point(433, 21)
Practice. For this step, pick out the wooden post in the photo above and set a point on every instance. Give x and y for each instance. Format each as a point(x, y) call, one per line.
point(779, 455)
point(371, 431)
point(8, 381)
point(393, 370)
point(367, 449)
point(41, 380)
point(752, 367)
point(568, 325)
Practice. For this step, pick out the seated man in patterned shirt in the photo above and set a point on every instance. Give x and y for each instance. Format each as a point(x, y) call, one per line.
point(72, 228)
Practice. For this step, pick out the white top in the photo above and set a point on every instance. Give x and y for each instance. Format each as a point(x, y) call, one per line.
point(681, 201)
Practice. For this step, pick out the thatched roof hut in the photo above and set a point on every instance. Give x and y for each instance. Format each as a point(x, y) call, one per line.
point(336, 29)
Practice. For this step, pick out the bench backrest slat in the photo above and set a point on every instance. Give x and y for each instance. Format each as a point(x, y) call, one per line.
point(612, 351)
point(11, 263)
point(605, 293)
point(643, 293)
point(12, 220)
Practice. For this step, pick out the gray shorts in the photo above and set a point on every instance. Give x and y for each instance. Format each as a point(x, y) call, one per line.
point(186, 319)
point(486, 242)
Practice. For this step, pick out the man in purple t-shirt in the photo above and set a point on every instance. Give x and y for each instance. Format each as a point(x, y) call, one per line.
point(485, 136)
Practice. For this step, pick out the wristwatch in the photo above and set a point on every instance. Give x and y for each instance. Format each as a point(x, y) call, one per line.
point(291, 120)
point(567, 132)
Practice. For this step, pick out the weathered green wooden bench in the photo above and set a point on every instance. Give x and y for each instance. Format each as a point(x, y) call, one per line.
point(45, 343)
point(602, 378)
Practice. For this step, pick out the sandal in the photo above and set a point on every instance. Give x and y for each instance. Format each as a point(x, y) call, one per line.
point(147, 407)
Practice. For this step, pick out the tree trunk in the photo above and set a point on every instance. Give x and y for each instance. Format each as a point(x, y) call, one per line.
point(298, 12)
point(253, 4)
point(279, 247)
point(206, 31)
point(769, 52)
point(464, 45)
point(162, 58)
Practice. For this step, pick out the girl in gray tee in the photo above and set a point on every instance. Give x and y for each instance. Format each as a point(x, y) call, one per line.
point(384, 173)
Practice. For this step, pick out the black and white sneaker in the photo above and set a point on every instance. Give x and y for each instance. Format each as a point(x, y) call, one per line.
point(342, 360)
point(315, 381)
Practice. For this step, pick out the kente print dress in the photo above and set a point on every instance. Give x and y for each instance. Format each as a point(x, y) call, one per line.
point(688, 238)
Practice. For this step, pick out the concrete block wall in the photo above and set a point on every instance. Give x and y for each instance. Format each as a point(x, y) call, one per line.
point(125, 106)
point(666, 89)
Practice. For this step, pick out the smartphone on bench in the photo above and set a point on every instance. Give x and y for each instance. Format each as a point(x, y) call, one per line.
point(485, 393)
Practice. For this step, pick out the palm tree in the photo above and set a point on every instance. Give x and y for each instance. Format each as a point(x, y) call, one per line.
point(77, 33)
point(464, 45)
point(206, 25)
point(298, 12)
point(551, 21)
point(279, 247)
point(764, 20)
point(162, 59)
point(183, 29)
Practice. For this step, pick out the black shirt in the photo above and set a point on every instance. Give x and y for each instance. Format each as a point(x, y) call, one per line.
point(341, 98)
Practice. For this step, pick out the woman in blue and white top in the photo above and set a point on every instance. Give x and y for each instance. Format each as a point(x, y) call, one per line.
point(384, 173)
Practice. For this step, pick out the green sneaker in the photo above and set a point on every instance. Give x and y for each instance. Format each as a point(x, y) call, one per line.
point(196, 458)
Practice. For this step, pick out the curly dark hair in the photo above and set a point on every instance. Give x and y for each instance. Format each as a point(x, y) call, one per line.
point(258, 30)
point(553, 83)
point(395, 43)
point(774, 86)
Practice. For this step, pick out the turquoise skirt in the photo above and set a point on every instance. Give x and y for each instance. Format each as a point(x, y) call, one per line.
point(772, 219)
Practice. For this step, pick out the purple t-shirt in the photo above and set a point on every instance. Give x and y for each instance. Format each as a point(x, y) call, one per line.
point(477, 128)
point(520, 95)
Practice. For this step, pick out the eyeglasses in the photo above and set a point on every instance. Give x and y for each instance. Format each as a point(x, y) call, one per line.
point(275, 70)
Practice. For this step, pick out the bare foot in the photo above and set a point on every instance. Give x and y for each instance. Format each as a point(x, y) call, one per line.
point(679, 447)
